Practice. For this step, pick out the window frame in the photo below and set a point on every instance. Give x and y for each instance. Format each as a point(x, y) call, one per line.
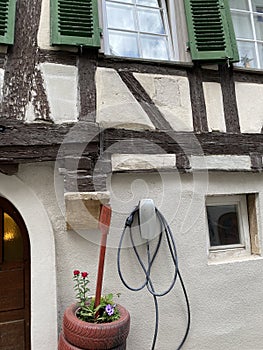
point(256, 42)
point(231, 251)
point(174, 20)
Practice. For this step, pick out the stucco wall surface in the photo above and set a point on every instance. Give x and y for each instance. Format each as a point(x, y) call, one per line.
point(225, 298)
point(171, 95)
point(116, 106)
point(61, 84)
point(247, 94)
point(214, 106)
point(2, 72)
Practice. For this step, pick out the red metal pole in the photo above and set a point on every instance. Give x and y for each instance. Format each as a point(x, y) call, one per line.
point(104, 226)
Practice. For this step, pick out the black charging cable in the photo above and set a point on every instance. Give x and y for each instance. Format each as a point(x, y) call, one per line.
point(165, 233)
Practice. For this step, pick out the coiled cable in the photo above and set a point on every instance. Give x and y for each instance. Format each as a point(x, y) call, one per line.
point(165, 233)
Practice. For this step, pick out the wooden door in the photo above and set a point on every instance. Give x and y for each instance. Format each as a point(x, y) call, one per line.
point(14, 280)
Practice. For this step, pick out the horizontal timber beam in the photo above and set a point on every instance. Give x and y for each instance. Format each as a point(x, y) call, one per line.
point(41, 142)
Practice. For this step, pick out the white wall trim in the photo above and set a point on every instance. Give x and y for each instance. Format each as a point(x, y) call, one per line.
point(43, 263)
point(220, 162)
point(122, 162)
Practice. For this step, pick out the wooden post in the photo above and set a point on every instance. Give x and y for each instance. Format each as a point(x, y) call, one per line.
point(104, 226)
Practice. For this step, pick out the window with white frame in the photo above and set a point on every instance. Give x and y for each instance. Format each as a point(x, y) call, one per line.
point(138, 29)
point(247, 17)
point(232, 226)
point(148, 29)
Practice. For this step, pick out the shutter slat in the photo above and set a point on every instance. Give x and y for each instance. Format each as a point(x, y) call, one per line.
point(7, 21)
point(68, 17)
point(75, 22)
point(210, 30)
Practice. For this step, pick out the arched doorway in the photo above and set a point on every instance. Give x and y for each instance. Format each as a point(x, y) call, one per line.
point(14, 279)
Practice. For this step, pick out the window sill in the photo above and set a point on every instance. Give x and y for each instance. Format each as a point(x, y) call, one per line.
point(231, 256)
point(248, 70)
point(146, 61)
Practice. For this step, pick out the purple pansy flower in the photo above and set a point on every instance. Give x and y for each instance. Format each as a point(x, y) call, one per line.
point(109, 309)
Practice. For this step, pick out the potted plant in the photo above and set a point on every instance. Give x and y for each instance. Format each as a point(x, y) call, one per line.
point(91, 327)
point(95, 323)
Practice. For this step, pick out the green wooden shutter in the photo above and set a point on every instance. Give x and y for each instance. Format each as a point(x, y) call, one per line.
point(7, 21)
point(75, 22)
point(210, 30)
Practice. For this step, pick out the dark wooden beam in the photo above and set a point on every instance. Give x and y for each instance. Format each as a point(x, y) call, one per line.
point(37, 134)
point(145, 101)
point(144, 66)
point(213, 143)
point(87, 64)
point(42, 143)
point(9, 169)
point(229, 99)
point(197, 100)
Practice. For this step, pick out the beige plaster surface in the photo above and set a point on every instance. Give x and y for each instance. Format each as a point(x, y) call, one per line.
point(171, 95)
point(116, 106)
point(250, 106)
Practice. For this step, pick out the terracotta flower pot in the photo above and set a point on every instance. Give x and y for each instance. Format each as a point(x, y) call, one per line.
point(78, 334)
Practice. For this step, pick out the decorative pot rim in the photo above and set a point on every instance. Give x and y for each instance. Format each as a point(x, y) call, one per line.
point(124, 313)
point(87, 335)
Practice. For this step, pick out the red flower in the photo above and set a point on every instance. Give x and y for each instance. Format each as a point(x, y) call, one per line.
point(84, 274)
point(76, 272)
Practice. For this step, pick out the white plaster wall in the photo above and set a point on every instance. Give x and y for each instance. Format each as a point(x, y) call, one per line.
point(220, 162)
point(122, 162)
point(43, 37)
point(225, 298)
point(2, 72)
point(116, 106)
point(61, 84)
point(171, 94)
point(250, 106)
point(214, 107)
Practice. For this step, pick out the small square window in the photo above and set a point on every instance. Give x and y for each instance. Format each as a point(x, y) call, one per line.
point(223, 224)
point(232, 226)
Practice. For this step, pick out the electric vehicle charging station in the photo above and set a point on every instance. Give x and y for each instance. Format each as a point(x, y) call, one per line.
point(152, 226)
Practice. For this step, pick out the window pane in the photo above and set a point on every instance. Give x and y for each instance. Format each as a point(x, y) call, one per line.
point(128, 1)
point(242, 25)
point(257, 5)
point(120, 16)
point(154, 47)
point(247, 54)
point(150, 21)
point(259, 26)
point(239, 4)
point(260, 51)
point(223, 224)
point(137, 29)
point(13, 241)
point(123, 44)
point(152, 3)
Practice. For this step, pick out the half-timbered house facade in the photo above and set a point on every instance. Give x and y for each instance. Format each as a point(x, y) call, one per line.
point(111, 102)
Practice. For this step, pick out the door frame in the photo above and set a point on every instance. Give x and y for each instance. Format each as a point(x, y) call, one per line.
point(7, 207)
point(44, 332)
